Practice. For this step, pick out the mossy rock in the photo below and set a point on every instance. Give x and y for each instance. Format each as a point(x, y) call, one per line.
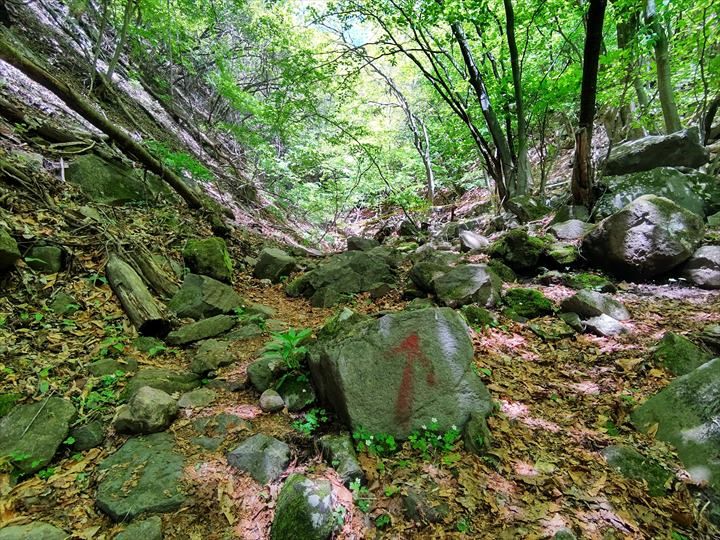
point(518, 250)
point(678, 354)
point(7, 402)
point(503, 271)
point(585, 280)
point(9, 252)
point(478, 316)
point(304, 510)
point(632, 464)
point(528, 303)
point(209, 257)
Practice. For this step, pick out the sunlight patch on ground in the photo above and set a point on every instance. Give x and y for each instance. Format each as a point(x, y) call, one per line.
point(520, 411)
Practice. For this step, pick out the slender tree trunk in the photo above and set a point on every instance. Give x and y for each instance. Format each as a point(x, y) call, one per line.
point(129, 8)
point(582, 179)
point(523, 163)
point(99, 42)
point(509, 173)
point(662, 63)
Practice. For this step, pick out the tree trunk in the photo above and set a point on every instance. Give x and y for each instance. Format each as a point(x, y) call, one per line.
point(144, 263)
point(662, 63)
point(129, 5)
point(523, 164)
point(509, 173)
point(137, 302)
point(77, 103)
point(582, 179)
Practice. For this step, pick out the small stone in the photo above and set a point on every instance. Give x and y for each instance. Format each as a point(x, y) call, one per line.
point(211, 355)
point(148, 411)
point(9, 252)
point(88, 436)
point(110, 366)
point(209, 257)
point(605, 326)
point(296, 391)
point(424, 506)
point(263, 457)
point(338, 452)
point(45, 259)
point(703, 268)
point(63, 304)
point(468, 284)
point(571, 230)
point(588, 303)
point(215, 430)
point(274, 264)
point(197, 399)
point(270, 401)
point(162, 379)
point(147, 529)
point(472, 242)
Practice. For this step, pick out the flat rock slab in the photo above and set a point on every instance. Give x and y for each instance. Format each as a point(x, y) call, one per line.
point(202, 296)
point(33, 531)
point(394, 374)
point(214, 430)
point(162, 379)
point(588, 303)
point(304, 509)
point(197, 331)
point(147, 529)
point(264, 458)
point(35, 431)
point(274, 264)
point(143, 476)
point(211, 355)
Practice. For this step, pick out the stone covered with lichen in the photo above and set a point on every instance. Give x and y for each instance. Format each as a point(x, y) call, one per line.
point(304, 510)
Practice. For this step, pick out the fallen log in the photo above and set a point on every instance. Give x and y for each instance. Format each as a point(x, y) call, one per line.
point(137, 302)
point(96, 117)
point(158, 280)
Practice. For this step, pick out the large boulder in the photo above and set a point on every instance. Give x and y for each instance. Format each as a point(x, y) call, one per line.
point(304, 510)
point(31, 434)
point(650, 236)
point(113, 183)
point(144, 475)
point(680, 149)
point(694, 191)
point(209, 257)
point(703, 268)
point(632, 464)
point(274, 264)
point(343, 275)
point(201, 297)
point(150, 410)
point(468, 284)
point(678, 354)
point(9, 252)
point(686, 414)
point(394, 374)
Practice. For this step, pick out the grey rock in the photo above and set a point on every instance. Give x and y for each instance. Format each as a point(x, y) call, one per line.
point(35, 432)
point(163, 379)
point(605, 326)
point(710, 336)
point(568, 212)
point(262, 372)
point(296, 391)
point(363, 373)
point(425, 506)
point(197, 399)
point(150, 410)
point(88, 436)
point(274, 264)
point(703, 268)
point(147, 529)
point(203, 329)
point(146, 344)
point(527, 207)
point(357, 243)
point(424, 273)
point(408, 229)
point(213, 431)
point(650, 236)
point(678, 354)
point(37, 530)
point(468, 284)
point(304, 510)
point(209, 257)
point(573, 320)
point(45, 259)
point(143, 476)
point(110, 366)
point(263, 457)
point(211, 355)
point(518, 250)
point(338, 452)
point(588, 303)
point(476, 435)
point(9, 252)
point(202, 296)
point(680, 149)
point(472, 242)
point(271, 401)
point(63, 304)
point(570, 230)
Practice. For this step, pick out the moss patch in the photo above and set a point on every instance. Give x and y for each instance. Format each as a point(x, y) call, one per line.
point(528, 303)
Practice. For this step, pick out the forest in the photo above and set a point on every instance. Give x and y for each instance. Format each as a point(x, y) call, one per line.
point(349, 269)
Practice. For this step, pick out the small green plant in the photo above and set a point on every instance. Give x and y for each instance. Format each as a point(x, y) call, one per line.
point(102, 394)
point(96, 278)
point(112, 346)
point(46, 473)
point(382, 521)
point(156, 350)
point(429, 440)
point(244, 317)
point(462, 525)
point(288, 347)
point(376, 444)
point(361, 495)
point(310, 421)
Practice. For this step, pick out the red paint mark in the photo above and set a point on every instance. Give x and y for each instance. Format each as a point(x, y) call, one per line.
point(410, 348)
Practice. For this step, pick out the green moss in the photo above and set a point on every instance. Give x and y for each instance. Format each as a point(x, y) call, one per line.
point(503, 271)
point(478, 316)
point(528, 303)
point(209, 257)
point(589, 281)
point(7, 402)
point(518, 250)
point(678, 354)
point(631, 464)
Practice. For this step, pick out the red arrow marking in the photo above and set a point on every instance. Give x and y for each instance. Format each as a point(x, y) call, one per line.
point(410, 348)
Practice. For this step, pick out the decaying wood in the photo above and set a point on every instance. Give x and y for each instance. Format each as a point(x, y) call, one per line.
point(145, 264)
point(137, 302)
point(96, 117)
